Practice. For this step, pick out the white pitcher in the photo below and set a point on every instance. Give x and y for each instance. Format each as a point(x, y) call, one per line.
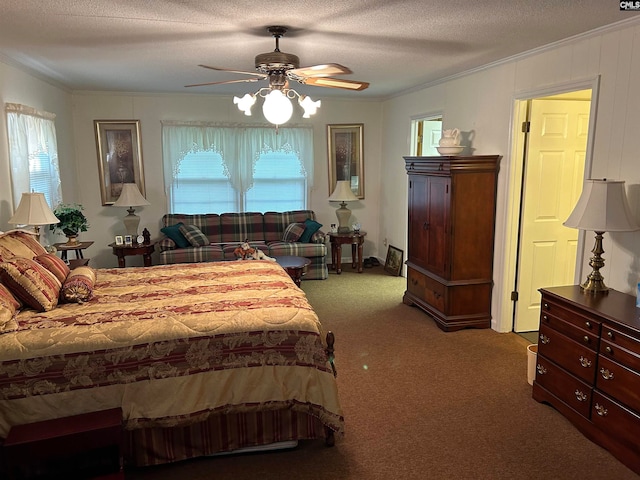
point(450, 138)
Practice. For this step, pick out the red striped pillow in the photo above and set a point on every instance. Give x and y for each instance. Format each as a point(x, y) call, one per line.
point(9, 305)
point(55, 265)
point(78, 287)
point(30, 282)
point(19, 244)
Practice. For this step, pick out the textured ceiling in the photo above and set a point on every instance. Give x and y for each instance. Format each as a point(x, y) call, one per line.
point(156, 45)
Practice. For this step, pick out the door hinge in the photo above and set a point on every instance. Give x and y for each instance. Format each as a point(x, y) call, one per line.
point(514, 296)
point(526, 127)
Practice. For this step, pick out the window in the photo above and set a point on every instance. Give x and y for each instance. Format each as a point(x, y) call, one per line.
point(33, 153)
point(218, 169)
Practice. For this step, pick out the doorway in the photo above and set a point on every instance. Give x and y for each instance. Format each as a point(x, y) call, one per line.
point(426, 131)
point(553, 144)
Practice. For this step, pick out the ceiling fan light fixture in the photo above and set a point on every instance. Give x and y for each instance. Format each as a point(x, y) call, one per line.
point(245, 103)
point(309, 106)
point(277, 108)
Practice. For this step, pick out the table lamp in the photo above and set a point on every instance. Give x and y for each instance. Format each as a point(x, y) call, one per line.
point(602, 207)
point(33, 210)
point(342, 193)
point(131, 197)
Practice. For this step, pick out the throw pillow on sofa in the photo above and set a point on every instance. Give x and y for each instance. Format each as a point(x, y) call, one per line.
point(174, 233)
point(293, 232)
point(311, 227)
point(194, 235)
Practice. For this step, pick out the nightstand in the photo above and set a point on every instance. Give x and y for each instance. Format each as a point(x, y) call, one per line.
point(356, 240)
point(122, 251)
point(63, 248)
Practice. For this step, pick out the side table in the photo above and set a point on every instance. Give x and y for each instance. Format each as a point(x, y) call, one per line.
point(63, 248)
point(356, 240)
point(295, 266)
point(122, 251)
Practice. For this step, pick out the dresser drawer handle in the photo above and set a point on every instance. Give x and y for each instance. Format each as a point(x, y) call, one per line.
point(545, 318)
point(610, 335)
point(586, 339)
point(540, 369)
point(600, 410)
point(546, 306)
point(585, 362)
point(544, 339)
point(588, 324)
point(606, 374)
point(609, 349)
point(581, 397)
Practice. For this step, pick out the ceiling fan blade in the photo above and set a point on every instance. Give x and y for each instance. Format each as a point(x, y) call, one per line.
point(334, 83)
point(262, 75)
point(324, 70)
point(245, 80)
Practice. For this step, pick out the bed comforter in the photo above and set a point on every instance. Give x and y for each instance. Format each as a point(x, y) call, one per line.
point(173, 346)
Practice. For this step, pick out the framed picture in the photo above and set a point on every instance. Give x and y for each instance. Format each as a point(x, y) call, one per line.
point(393, 264)
point(128, 240)
point(119, 240)
point(119, 157)
point(346, 156)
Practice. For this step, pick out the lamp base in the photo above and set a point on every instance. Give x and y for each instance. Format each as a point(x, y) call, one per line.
point(343, 214)
point(594, 285)
point(131, 222)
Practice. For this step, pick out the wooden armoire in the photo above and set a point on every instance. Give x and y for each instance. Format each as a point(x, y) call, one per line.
point(452, 204)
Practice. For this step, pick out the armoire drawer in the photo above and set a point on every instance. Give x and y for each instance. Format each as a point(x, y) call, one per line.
point(566, 387)
point(427, 289)
point(619, 382)
point(578, 359)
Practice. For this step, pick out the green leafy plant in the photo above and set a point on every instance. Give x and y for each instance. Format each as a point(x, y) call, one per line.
point(72, 220)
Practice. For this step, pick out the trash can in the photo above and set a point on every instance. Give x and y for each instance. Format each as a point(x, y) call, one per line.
point(532, 356)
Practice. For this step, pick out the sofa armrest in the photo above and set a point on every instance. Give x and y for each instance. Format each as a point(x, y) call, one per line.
point(165, 243)
point(319, 237)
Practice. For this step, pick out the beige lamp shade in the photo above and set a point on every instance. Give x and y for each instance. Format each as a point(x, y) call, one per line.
point(342, 193)
point(602, 207)
point(33, 210)
point(131, 197)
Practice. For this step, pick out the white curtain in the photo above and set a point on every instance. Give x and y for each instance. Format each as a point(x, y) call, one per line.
point(239, 146)
point(32, 134)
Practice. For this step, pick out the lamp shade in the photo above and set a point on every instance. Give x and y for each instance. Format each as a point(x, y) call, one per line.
point(33, 210)
point(130, 197)
point(342, 192)
point(602, 207)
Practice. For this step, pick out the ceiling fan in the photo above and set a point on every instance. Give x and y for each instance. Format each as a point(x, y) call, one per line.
point(280, 67)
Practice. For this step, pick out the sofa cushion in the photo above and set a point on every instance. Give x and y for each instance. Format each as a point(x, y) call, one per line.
point(311, 227)
point(208, 253)
point(194, 236)
point(238, 227)
point(208, 223)
point(299, 249)
point(229, 249)
point(31, 283)
point(275, 223)
point(174, 233)
point(293, 232)
point(55, 265)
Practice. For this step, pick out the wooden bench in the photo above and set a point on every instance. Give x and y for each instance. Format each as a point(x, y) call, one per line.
point(30, 446)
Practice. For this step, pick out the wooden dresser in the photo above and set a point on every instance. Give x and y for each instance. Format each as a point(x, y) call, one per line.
point(588, 366)
point(452, 203)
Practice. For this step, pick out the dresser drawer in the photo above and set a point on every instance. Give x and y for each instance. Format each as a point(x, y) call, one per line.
point(426, 288)
point(619, 382)
point(566, 387)
point(617, 420)
point(577, 327)
point(620, 347)
point(578, 359)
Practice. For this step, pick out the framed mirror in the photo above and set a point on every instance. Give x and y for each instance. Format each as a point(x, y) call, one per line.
point(346, 156)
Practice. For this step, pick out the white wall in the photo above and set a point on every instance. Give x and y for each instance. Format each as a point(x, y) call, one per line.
point(106, 222)
point(481, 103)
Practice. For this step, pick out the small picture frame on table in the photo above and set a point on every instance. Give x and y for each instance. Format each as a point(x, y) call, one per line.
point(128, 240)
point(393, 264)
point(119, 240)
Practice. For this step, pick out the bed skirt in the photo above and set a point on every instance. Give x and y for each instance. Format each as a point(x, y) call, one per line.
point(219, 433)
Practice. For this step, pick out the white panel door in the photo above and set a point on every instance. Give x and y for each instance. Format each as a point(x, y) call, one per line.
point(553, 182)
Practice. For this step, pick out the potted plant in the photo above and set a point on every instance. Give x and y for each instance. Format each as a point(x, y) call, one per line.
point(72, 221)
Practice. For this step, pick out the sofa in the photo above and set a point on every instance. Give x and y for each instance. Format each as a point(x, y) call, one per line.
point(211, 237)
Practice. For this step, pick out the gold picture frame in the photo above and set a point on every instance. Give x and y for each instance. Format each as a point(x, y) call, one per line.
point(346, 156)
point(119, 150)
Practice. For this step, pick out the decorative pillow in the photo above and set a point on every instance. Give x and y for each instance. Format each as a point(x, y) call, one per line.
point(194, 235)
point(311, 227)
point(293, 232)
point(55, 265)
point(78, 287)
point(31, 283)
point(9, 305)
point(19, 243)
point(174, 233)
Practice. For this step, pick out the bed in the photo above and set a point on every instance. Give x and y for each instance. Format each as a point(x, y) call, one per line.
point(202, 358)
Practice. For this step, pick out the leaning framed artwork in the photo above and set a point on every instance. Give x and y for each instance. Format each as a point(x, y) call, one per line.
point(346, 156)
point(119, 157)
point(393, 264)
